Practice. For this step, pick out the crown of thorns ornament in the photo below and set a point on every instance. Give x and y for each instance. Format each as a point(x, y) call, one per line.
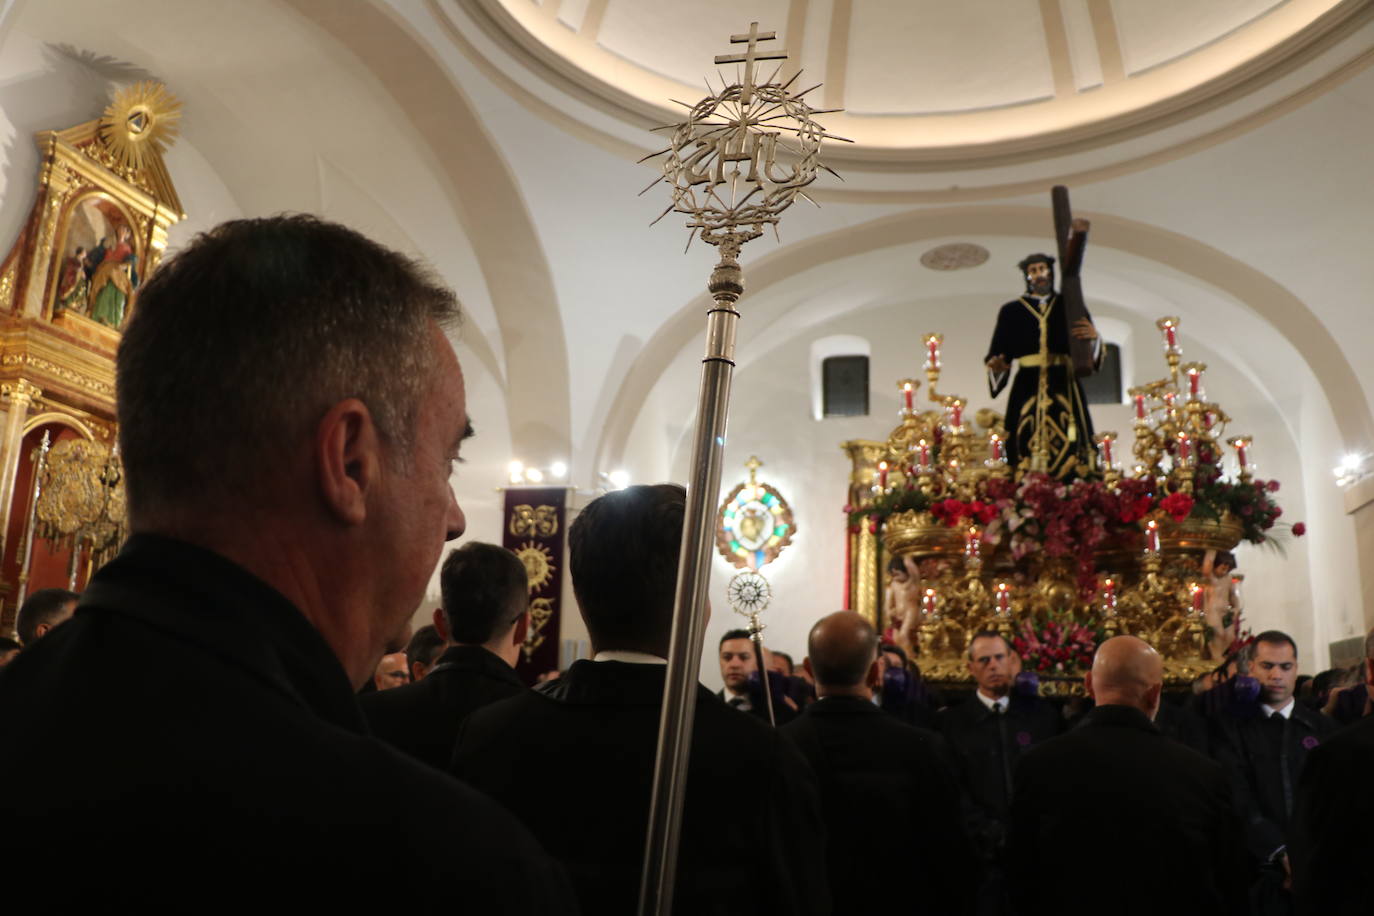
point(722, 162)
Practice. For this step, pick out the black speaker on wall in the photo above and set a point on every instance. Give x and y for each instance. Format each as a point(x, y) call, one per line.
point(844, 386)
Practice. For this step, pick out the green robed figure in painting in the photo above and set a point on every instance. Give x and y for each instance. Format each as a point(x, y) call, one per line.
point(1048, 426)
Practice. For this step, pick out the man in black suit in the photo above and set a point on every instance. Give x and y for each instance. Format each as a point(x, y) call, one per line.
point(289, 408)
point(1265, 747)
point(992, 729)
point(989, 732)
point(575, 760)
point(740, 672)
point(485, 617)
point(1332, 843)
point(869, 762)
point(1147, 823)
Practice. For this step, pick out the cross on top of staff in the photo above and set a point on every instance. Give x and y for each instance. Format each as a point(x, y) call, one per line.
point(750, 56)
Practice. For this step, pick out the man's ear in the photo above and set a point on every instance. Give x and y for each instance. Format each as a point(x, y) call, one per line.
point(1088, 684)
point(1369, 671)
point(441, 625)
point(520, 630)
point(348, 457)
point(871, 679)
point(41, 629)
point(806, 663)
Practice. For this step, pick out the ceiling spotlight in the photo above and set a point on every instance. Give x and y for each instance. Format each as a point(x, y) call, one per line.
point(558, 469)
point(534, 475)
point(620, 479)
point(1351, 469)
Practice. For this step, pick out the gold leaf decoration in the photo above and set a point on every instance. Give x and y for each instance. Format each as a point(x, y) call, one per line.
point(141, 122)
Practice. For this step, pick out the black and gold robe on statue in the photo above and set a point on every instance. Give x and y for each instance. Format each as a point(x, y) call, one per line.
point(1022, 326)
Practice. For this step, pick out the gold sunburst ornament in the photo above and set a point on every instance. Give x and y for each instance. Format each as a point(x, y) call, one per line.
point(142, 121)
point(538, 564)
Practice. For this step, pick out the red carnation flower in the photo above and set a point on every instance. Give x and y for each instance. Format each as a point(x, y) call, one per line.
point(1299, 529)
point(1272, 486)
point(1178, 505)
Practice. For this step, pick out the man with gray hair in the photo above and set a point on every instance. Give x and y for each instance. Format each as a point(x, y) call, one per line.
point(289, 412)
point(1147, 822)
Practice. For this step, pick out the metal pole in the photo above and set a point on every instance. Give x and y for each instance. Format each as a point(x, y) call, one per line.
point(756, 633)
point(694, 568)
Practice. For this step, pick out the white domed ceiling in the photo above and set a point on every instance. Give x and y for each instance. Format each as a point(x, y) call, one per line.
point(930, 81)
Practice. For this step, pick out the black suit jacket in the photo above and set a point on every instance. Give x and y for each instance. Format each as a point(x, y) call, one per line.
point(422, 718)
point(988, 746)
point(1331, 844)
point(575, 762)
point(890, 796)
point(1147, 824)
point(188, 739)
point(1263, 779)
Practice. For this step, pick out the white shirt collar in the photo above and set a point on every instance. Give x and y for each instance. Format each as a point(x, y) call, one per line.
point(1286, 710)
point(625, 655)
point(990, 703)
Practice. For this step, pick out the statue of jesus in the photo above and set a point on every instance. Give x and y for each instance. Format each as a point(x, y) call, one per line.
point(1048, 425)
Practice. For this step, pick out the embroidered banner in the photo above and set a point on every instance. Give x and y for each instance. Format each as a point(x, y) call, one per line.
point(534, 531)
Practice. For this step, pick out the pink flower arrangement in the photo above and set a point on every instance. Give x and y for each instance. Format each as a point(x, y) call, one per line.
point(1062, 645)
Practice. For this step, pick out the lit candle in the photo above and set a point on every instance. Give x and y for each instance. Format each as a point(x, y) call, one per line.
point(1170, 328)
point(907, 393)
point(995, 444)
point(1242, 446)
point(1003, 599)
point(882, 474)
point(956, 413)
point(1169, 397)
point(972, 542)
point(1152, 536)
point(1194, 383)
point(1197, 598)
point(1104, 446)
point(933, 350)
point(924, 447)
point(928, 602)
point(1140, 407)
point(1185, 449)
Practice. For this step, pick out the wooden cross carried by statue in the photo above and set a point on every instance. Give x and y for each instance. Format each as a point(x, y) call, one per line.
point(1071, 235)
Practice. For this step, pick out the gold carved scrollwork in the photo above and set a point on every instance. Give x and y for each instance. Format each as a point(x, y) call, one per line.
point(541, 611)
point(80, 380)
point(82, 495)
point(19, 392)
point(527, 521)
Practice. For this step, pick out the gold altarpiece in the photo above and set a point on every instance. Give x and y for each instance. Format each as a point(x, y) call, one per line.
point(98, 227)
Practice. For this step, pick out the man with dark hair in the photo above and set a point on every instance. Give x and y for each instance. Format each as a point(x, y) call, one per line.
point(781, 662)
point(289, 409)
point(740, 672)
point(9, 650)
point(900, 691)
point(42, 611)
point(989, 732)
point(866, 762)
point(423, 650)
point(575, 759)
point(1265, 747)
point(1332, 844)
point(483, 623)
point(737, 662)
point(1148, 823)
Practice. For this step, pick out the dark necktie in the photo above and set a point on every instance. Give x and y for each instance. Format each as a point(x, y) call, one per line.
point(1000, 711)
